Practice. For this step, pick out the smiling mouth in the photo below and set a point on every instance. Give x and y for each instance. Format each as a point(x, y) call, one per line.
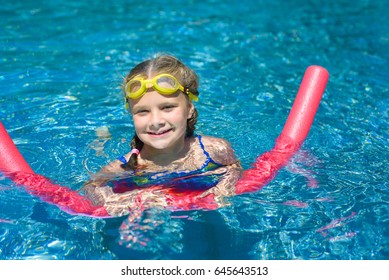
point(159, 133)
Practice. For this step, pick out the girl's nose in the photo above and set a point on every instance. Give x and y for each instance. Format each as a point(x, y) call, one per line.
point(156, 120)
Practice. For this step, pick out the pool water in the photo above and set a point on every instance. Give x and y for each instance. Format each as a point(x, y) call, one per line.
point(61, 70)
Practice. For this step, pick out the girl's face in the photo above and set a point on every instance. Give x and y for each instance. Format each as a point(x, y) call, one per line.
point(160, 120)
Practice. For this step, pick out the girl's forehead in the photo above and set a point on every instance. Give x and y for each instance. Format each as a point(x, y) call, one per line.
point(152, 97)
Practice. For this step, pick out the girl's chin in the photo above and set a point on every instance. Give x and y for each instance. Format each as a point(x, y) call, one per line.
point(158, 142)
point(162, 142)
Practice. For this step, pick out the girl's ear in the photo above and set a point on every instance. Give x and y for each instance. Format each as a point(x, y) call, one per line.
point(191, 110)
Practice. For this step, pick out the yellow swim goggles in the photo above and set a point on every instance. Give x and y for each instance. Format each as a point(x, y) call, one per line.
point(163, 83)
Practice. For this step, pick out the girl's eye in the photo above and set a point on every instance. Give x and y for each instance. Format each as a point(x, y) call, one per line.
point(140, 112)
point(168, 107)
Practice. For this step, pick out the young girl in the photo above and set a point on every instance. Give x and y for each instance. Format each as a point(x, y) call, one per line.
point(165, 151)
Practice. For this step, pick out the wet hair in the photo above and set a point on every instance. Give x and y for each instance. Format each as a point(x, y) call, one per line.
point(169, 65)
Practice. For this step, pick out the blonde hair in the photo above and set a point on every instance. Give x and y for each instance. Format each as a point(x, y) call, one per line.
point(166, 64)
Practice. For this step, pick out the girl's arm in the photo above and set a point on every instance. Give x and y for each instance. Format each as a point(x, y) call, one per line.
point(119, 204)
point(221, 152)
point(95, 188)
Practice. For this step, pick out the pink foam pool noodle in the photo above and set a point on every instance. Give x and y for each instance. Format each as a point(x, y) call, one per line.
point(293, 134)
point(11, 160)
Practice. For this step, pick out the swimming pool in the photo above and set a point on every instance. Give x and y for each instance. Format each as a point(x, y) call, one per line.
point(62, 65)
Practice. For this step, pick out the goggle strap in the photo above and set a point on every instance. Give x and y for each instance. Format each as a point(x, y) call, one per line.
point(191, 95)
point(187, 92)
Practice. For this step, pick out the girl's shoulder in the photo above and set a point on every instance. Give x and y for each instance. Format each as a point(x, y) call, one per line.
point(219, 149)
point(214, 141)
point(116, 165)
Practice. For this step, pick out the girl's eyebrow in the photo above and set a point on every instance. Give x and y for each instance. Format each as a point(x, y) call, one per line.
point(168, 103)
point(139, 107)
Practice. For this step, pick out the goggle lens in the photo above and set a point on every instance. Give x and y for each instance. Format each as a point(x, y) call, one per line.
point(167, 82)
point(164, 83)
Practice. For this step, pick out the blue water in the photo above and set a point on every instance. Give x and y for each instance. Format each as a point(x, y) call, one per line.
point(61, 67)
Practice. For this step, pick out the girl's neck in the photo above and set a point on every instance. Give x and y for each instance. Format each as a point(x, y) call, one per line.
point(166, 156)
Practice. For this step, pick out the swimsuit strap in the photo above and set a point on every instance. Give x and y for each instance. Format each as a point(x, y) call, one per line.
point(122, 159)
point(209, 159)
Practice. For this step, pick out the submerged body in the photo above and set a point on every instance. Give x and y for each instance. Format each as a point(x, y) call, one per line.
point(201, 171)
point(186, 177)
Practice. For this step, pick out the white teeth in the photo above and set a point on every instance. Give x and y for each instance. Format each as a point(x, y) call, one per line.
point(153, 133)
